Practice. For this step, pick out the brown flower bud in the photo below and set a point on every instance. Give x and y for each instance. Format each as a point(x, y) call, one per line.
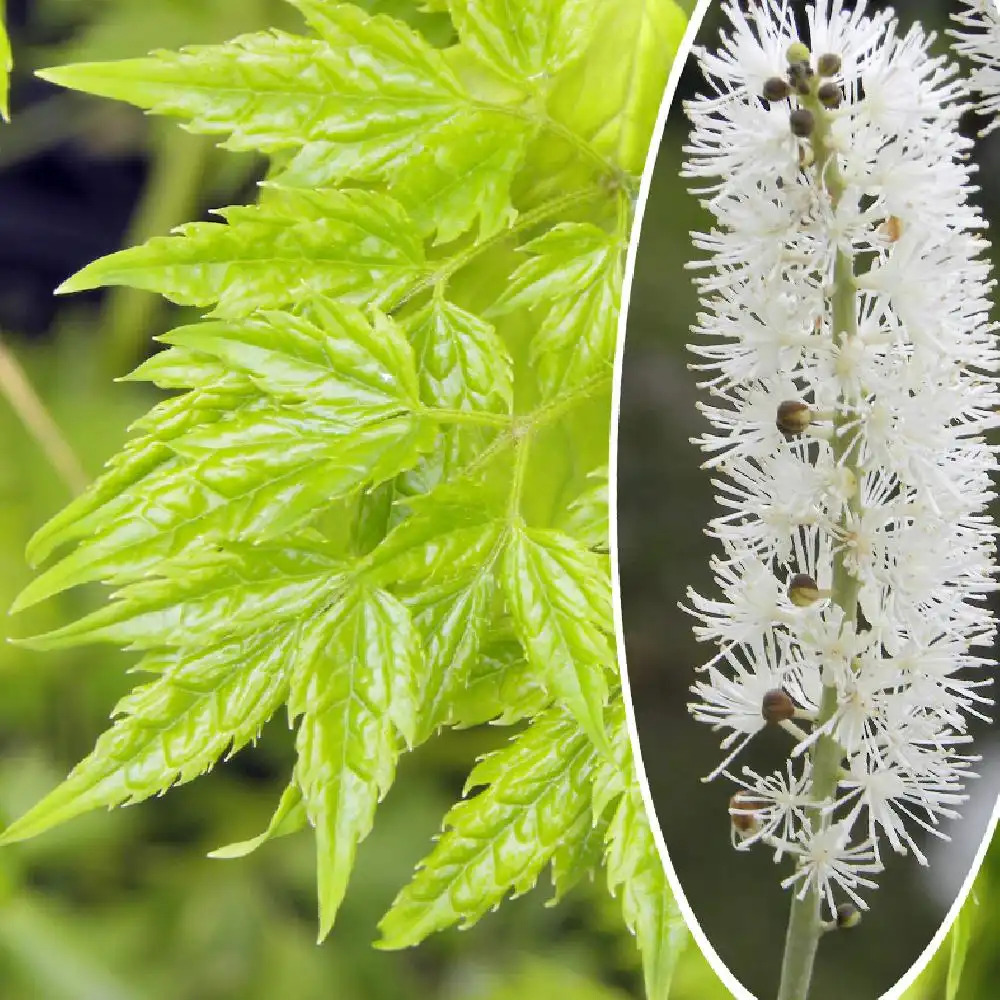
point(802, 123)
point(829, 95)
point(743, 813)
point(776, 89)
point(893, 228)
point(828, 64)
point(793, 417)
point(802, 590)
point(776, 706)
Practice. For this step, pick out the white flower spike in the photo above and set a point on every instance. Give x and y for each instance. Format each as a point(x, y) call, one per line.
point(978, 40)
point(843, 337)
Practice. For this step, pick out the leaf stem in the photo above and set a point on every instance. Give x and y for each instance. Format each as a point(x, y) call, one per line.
point(526, 220)
point(478, 418)
point(805, 925)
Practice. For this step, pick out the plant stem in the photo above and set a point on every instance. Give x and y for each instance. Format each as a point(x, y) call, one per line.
point(26, 403)
point(805, 922)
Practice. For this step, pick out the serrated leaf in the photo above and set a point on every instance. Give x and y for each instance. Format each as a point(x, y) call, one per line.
point(536, 798)
point(174, 728)
point(347, 366)
point(560, 603)
point(358, 687)
point(525, 42)
point(575, 275)
point(463, 365)
point(289, 817)
point(254, 477)
point(501, 687)
point(141, 455)
point(442, 564)
point(369, 87)
point(586, 517)
point(635, 875)
point(357, 246)
point(612, 95)
point(208, 597)
point(463, 171)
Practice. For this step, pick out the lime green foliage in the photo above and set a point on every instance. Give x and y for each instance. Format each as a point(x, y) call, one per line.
point(6, 64)
point(380, 499)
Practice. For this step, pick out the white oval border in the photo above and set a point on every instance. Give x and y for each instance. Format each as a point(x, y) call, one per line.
point(719, 967)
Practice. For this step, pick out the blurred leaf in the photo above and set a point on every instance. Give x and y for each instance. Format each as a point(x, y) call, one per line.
point(959, 947)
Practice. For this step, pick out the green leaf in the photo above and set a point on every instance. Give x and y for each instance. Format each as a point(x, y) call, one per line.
point(368, 88)
point(257, 469)
point(536, 798)
point(369, 99)
point(354, 245)
point(959, 936)
point(289, 817)
point(442, 564)
point(575, 275)
point(173, 729)
point(349, 367)
point(560, 601)
point(463, 365)
point(586, 517)
point(358, 687)
point(612, 95)
point(208, 598)
point(525, 42)
point(6, 65)
point(500, 687)
point(462, 172)
point(253, 477)
point(634, 871)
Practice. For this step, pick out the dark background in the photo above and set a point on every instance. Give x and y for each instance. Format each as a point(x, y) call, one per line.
point(664, 502)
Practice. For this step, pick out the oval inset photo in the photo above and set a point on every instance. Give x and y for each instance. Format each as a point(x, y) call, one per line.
point(807, 444)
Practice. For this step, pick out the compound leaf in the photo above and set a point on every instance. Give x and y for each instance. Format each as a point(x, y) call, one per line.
point(536, 798)
point(357, 693)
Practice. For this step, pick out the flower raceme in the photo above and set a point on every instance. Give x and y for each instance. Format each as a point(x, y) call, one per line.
point(844, 341)
point(978, 39)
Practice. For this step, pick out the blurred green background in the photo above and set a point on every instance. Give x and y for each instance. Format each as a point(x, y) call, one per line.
point(664, 502)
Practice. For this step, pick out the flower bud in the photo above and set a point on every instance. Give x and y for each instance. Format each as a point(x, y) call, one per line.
point(803, 590)
point(776, 706)
point(776, 89)
point(794, 416)
point(743, 814)
point(829, 95)
point(848, 915)
point(828, 64)
point(802, 122)
point(797, 52)
point(800, 76)
point(892, 228)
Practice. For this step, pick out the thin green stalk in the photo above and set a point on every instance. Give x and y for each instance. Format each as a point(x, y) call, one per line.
point(805, 925)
